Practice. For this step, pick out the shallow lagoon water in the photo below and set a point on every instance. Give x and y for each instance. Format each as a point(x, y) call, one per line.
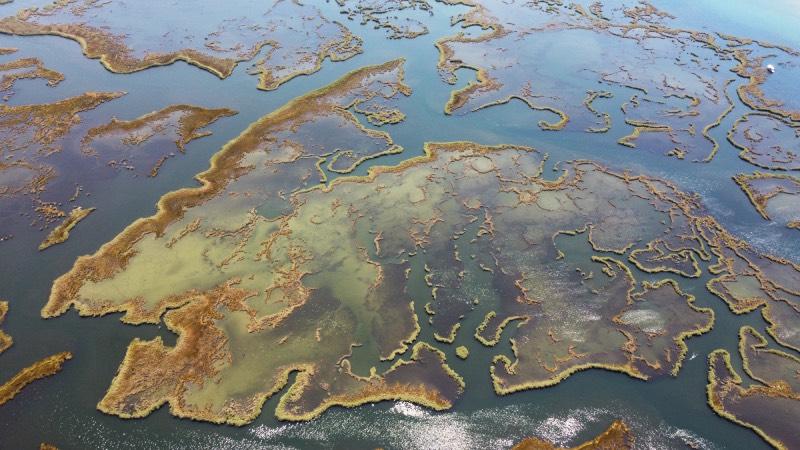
point(61, 410)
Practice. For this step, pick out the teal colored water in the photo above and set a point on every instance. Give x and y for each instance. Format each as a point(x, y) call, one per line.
point(663, 413)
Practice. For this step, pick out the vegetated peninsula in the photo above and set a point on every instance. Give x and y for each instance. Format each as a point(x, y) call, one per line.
point(269, 268)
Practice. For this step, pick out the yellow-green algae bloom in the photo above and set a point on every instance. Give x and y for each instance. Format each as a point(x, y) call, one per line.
point(270, 269)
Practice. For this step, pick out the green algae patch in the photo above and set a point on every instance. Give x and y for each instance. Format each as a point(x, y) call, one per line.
point(770, 406)
point(279, 147)
point(260, 283)
point(281, 282)
point(325, 296)
point(249, 271)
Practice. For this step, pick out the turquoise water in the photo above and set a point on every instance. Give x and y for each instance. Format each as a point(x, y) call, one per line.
point(61, 410)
